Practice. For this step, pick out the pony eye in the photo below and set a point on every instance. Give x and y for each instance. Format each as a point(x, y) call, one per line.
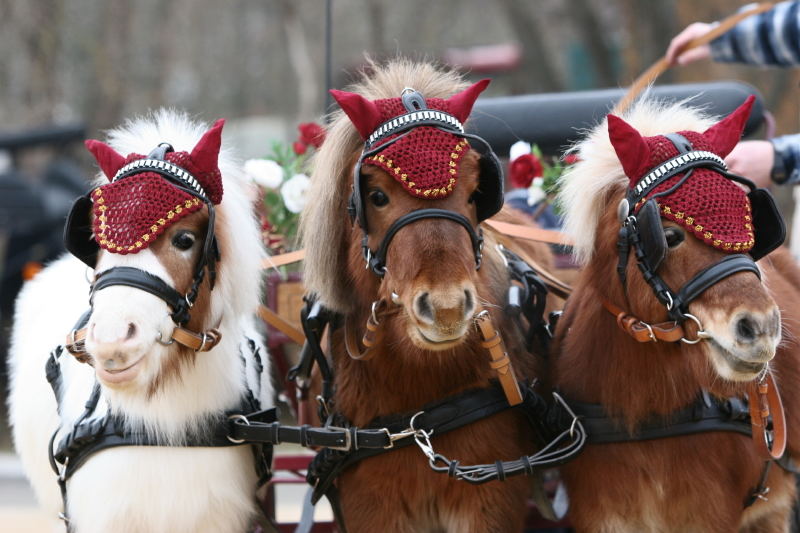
point(378, 198)
point(674, 236)
point(183, 240)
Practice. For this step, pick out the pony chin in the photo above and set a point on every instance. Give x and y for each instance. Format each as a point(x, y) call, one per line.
point(729, 358)
point(431, 340)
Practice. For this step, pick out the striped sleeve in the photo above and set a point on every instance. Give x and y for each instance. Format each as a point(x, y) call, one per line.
point(769, 38)
point(787, 147)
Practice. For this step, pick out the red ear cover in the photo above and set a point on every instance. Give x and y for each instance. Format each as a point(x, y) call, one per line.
point(461, 103)
point(363, 113)
point(725, 134)
point(206, 152)
point(631, 148)
point(108, 159)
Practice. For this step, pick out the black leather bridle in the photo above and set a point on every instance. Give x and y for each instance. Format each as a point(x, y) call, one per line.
point(80, 241)
point(488, 198)
point(642, 231)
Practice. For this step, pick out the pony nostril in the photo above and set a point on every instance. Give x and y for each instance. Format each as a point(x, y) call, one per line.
point(747, 330)
point(422, 306)
point(131, 331)
point(469, 303)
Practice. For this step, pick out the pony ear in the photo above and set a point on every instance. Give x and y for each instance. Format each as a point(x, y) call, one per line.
point(631, 149)
point(461, 103)
point(363, 113)
point(206, 152)
point(725, 134)
point(108, 158)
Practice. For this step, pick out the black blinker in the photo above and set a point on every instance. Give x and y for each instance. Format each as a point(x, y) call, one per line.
point(651, 234)
point(768, 225)
point(78, 237)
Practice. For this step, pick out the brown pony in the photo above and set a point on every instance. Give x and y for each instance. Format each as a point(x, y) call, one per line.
point(428, 348)
point(684, 483)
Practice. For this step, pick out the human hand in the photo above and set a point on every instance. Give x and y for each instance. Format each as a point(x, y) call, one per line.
point(753, 160)
point(674, 52)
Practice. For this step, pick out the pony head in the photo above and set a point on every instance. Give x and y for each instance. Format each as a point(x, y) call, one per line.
point(414, 158)
point(698, 216)
point(162, 219)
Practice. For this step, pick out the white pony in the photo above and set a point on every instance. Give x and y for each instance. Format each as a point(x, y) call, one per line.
point(168, 393)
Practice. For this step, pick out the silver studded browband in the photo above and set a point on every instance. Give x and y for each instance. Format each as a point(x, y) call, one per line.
point(422, 117)
point(676, 165)
point(160, 167)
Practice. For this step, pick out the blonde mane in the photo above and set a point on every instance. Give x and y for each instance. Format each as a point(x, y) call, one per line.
point(598, 174)
point(324, 224)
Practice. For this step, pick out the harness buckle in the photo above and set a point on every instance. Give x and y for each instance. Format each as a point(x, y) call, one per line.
point(348, 439)
point(62, 472)
point(396, 436)
point(243, 419)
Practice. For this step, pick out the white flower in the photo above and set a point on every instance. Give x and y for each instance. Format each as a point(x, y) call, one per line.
point(536, 192)
point(517, 149)
point(264, 172)
point(294, 192)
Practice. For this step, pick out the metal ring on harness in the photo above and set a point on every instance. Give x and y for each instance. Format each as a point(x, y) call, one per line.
point(160, 340)
point(246, 422)
point(701, 332)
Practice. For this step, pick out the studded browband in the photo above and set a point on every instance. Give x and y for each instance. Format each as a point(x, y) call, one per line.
point(677, 165)
point(415, 119)
point(165, 168)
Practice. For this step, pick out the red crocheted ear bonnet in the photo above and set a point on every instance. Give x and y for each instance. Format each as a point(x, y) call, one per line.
point(139, 203)
point(426, 160)
point(712, 207)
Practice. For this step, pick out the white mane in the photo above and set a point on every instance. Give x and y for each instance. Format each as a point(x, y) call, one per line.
point(585, 184)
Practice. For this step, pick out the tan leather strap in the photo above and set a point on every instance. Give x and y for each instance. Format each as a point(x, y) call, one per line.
point(500, 360)
point(642, 331)
point(199, 342)
point(76, 345)
point(529, 232)
point(660, 66)
point(276, 321)
point(370, 337)
point(765, 400)
point(275, 261)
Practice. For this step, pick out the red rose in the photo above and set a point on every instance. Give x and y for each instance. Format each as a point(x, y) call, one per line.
point(523, 169)
point(311, 133)
point(299, 147)
point(571, 159)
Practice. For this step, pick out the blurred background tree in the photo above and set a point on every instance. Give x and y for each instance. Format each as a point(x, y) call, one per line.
point(99, 61)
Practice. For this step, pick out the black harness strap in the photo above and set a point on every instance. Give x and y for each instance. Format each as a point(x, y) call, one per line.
point(89, 436)
point(377, 259)
point(145, 281)
point(706, 413)
point(710, 276)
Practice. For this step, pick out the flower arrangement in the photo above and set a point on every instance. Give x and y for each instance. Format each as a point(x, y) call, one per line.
point(530, 169)
point(284, 184)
